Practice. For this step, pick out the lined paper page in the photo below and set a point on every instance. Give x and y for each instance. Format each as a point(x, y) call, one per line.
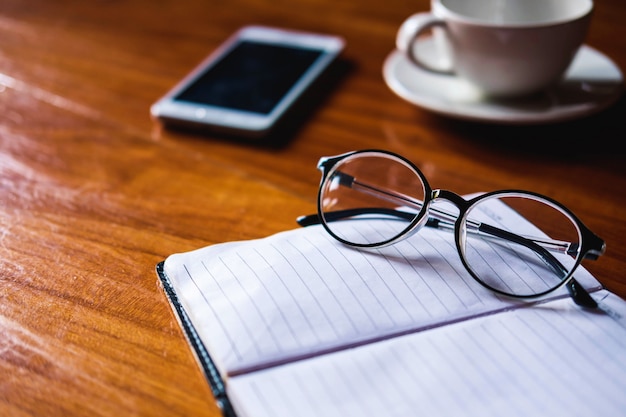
point(299, 292)
point(554, 359)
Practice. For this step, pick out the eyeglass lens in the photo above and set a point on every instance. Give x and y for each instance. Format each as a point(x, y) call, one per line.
point(528, 251)
point(514, 243)
point(368, 187)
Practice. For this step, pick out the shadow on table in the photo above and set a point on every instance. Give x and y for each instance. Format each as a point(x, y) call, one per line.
point(599, 135)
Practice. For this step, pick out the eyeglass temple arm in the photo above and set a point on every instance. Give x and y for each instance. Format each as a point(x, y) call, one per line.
point(575, 289)
point(349, 181)
point(436, 223)
point(312, 219)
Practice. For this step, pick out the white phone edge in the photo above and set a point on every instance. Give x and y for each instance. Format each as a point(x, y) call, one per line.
point(247, 124)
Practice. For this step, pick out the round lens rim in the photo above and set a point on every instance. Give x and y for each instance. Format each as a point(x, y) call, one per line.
point(414, 225)
point(471, 204)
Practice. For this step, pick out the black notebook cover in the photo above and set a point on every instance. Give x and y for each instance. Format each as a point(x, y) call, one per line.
point(199, 350)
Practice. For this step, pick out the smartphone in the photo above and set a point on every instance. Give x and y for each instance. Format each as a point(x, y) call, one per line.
point(249, 84)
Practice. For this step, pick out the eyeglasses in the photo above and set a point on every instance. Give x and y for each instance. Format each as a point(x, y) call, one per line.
point(516, 243)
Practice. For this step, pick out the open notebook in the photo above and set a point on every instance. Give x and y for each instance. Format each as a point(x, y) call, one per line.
point(299, 324)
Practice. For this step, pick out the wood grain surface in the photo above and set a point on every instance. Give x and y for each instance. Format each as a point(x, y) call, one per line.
point(93, 193)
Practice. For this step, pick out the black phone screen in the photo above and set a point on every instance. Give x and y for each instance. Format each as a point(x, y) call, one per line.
point(251, 77)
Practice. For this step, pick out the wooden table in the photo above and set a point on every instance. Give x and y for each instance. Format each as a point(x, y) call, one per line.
point(93, 193)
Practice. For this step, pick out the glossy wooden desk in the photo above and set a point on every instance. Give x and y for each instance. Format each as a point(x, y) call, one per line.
point(93, 194)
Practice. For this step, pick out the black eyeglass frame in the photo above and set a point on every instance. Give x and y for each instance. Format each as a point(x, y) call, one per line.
point(591, 246)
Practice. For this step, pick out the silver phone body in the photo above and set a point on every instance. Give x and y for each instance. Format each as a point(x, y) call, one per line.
point(247, 84)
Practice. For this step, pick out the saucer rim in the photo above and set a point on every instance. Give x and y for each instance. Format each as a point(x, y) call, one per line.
point(513, 116)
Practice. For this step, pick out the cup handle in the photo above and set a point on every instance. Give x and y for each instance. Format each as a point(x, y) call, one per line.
point(410, 30)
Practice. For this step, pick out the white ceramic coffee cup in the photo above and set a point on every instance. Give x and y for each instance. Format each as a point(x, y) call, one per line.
point(503, 47)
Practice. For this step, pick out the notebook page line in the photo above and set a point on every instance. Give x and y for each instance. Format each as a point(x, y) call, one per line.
point(292, 297)
point(510, 364)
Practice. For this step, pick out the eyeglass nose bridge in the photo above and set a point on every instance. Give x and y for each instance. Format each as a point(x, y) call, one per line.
point(454, 198)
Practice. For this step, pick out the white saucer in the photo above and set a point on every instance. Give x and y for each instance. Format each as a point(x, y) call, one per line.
point(592, 83)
